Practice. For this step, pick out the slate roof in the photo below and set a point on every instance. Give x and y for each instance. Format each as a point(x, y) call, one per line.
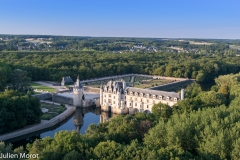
point(67, 79)
point(115, 86)
point(164, 94)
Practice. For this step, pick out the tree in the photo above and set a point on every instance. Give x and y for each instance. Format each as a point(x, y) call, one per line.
point(73, 155)
point(161, 110)
point(19, 81)
point(211, 99)
point(108, 150)
point(4, 70)
point(192, 90)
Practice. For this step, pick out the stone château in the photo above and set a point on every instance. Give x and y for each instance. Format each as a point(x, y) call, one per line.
point(117, 97)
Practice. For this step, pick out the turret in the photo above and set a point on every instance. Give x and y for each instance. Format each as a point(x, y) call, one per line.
point(77, 93)
point(101, 94)
point(182, 94)
point(124, 85)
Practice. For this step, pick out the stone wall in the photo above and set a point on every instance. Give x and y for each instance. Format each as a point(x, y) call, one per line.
point(91, 89)
point(61, 99)
point(44, 96)
point(172, 86)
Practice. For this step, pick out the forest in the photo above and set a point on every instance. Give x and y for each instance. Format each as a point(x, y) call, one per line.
point(18, 107)
point(51, 66)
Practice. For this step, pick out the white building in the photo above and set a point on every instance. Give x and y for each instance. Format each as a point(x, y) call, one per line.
point(118, 98)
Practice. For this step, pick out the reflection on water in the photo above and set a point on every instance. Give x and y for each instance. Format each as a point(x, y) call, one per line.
point(79, 121)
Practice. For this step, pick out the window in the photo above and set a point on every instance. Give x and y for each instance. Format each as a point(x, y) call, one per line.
point(135, 99)
point(109, 100)
point(109, 95)
point(113, 102)
point(141, 99)
point(175, 99)
point(153, 102)
point(114, 97)
point(130, 98)
point(105, 95)
point(135, 104)
point(160, 97)
point(147, 101)
point(167, 98)
point(130, 104)
point(147, 106)
point(104, 100)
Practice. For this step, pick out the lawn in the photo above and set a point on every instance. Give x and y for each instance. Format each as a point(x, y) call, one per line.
point(53, 110)
point(41, 87)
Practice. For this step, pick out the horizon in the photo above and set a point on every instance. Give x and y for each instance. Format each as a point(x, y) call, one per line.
point(129, 19)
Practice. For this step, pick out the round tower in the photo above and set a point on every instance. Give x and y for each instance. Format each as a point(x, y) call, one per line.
point(182, 94)
point(101, 94)
point(77, 93)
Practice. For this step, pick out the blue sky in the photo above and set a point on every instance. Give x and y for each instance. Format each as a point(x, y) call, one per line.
point(122, 18)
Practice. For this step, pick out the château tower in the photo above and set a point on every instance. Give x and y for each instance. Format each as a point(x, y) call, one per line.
point(77, 93)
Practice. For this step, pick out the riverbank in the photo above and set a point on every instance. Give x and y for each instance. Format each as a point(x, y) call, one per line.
point(44, 124)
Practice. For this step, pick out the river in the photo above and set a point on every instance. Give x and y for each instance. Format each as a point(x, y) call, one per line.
point(79, 121)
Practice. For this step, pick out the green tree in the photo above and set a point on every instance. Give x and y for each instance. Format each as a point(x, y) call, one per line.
point(20, 81)
point(161, 110)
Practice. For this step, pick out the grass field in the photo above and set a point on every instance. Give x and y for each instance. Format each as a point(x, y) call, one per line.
point(44, 88)
point(53, 110)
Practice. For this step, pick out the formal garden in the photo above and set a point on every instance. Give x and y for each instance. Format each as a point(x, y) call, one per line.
point(147, 83)
point(51, 110)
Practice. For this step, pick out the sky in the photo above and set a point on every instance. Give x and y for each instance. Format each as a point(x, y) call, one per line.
point(217, 19)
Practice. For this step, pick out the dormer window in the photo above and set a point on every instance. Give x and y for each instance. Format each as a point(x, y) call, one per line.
point(175, 99)
point(131, 93)
point(154, 96)
point(167, 98)
point(147, 95)
point(141, 94)
point(160, 97)
point(136, 94)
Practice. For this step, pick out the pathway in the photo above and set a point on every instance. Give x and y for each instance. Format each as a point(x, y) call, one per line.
point(42, 125)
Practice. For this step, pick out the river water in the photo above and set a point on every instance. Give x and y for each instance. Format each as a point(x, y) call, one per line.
point(79, 121)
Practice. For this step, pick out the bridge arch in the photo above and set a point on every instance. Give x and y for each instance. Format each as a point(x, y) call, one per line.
point(147, 111)
point(109, 108)
point(136, 110)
